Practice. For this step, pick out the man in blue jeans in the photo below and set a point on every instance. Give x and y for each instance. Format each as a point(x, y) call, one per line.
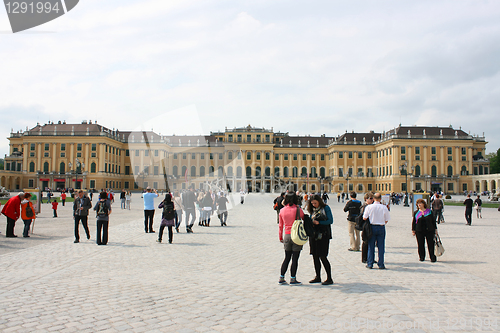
point(149, 208)
point(379, 216)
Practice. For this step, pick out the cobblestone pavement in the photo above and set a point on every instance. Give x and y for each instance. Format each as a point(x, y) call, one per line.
point(224, 279)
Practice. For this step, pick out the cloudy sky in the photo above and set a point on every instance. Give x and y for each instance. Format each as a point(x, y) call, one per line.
point(303, 67)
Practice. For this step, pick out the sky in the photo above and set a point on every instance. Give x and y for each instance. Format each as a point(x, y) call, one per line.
point(303, 67)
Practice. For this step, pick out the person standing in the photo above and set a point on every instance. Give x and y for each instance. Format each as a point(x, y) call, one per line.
point(178, 210)
point(477, 205)
point(167, 217)
point(149, 208)
point(359, 226)
point(288, 215)
point(122, 199)
point(207, 204)
point(424, 228)
point(338, 196)
point(278, 204)
point(12, 210)
point(468, 210)
point(63, 198)
point(353, 206)
point(325, 197)
point(128, 199)
point(91, 194)
point(437, 208)
point(188, 201)
point(54, 207)
point(242, 196)
point(222, 207)
point(379, 216)
point(81, 207)
point(103, 210)
point(322, 219)
point(27, 213)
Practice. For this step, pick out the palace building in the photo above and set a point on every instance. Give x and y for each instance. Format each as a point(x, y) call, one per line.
point(91, 156)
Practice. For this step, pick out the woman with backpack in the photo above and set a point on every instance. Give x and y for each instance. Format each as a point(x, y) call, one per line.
point(27, 213)
point(167, 218)
point(103, 209)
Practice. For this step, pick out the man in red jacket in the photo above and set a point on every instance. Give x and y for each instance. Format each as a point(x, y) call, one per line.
point(12, 210)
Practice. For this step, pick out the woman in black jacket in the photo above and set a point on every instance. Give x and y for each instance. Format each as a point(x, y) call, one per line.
point(424, 227)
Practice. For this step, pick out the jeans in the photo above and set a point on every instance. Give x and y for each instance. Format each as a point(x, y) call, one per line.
point(102, 225)
point(468, 216)
point(223, 217)
point(437, 215)
point(148, 220)
point(84, 219)
point(178, 218)
point(379, 237)
point(27, 224)
point(190, 212)
point(11, 223)
point(170, 233)
point(122, 203)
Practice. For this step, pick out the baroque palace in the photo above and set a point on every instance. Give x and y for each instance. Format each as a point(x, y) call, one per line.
point(91, 156)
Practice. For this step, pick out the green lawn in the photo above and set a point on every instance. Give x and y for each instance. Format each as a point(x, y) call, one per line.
point(44, 200)
point(485, 205)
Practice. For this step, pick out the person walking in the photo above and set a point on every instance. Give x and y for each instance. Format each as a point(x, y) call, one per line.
point(167, 218)
point(12, 210)
point(207, 204)
point(222, 208)
point(242, 196)
point(477, 206)
point(353, 207)
point(424, 228)
point(188, 201)
point(178, 210)
point(128, 199)
point(149, 208)
point(27, 213)
point(468, 210)
point(292, 251)
point(54, 207)
point(322, 219)
point(81, 207)
point(199, 203)
point(278, 205)
point(103, 210)
point(378, 215)
point(338, 196)
point(325, 197)
point(63, 198)
point(123, 199)
point(437, 208)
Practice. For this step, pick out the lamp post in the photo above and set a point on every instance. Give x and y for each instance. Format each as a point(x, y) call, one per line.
point(78, 165)
point(404, 168)
point(347, 179)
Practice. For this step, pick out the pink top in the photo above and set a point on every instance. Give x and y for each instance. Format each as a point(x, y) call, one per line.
point(287, 217)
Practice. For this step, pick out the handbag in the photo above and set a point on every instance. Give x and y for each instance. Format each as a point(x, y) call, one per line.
point(438, 246)
point(298, 232)
point(367, 232)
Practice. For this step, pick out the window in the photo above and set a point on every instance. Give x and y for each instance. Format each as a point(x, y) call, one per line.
point(433, 158)
point(464, 158)
point(46, 146)
point(417, 171)
point(193, 156)
point(268, 156)
point(433, 150)
point(32, 166)
point(156, 171)
point(202, 156)
point(313, 157)
point(370, 187)
point(63, 146)
point(303, 172)
point(417, 158)
point(156, 152)
point(304, 157)
point(220, 156)
point(369, 155)
point(184, 156)
point(202, 171)
point(239, 137)
point(93, 167)
point(464, 187)
point(127, 152)
point(106, 150)
point(369, 172)
point(79, 154)
point(450, 158)
point(450, 171)
point(46, 154)
point(230, 155)
point(403, 158)
point(417, 150)
point(322, 157)
point(295, 172)
point(249, 155)
point(418, 186)
point(127, 170)
point(360, 172)
point(433, 171)
point(30, 183)
point(258, 138)
point(136, 169)
point(258, 156)
point(403, 150)
point(230, 138)
point(349, 171)
point(137, 153)
point(350, 154)
point(193, 171)
point(211, 156)
point(32, 146)
point(268, 138)
point(46, 167)
point(285, 157)
point(450, 187)
point(341, 154)
point(360, 155)
point(249, 138)
point(449, 151)
point(341, 172)
point(79, 147)
point(294, 157)
point(63, 154)
point(276, 157)
point(464, 151)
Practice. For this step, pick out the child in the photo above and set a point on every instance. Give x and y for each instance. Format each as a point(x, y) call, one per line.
point(54, 207)
point(27, 213)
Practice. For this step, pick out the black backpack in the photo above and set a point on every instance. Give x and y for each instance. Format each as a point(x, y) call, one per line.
point(102, 209)
point(168, 211)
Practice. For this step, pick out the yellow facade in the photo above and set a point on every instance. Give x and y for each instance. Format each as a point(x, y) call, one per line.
point(255, 159)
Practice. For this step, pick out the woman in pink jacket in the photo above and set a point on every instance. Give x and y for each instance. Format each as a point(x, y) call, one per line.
point(288, 215)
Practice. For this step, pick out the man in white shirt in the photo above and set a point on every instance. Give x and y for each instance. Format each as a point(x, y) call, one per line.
point(379, 216)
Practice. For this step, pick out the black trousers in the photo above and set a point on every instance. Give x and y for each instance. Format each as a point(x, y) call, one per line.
point(55, 212)
point(468, 216)
point(148, 220)
point(190, 212)
point(102, 226)
point(422, 236)
point(364, 252)
point(170, 233)
point(84, 220)
point(11, 223)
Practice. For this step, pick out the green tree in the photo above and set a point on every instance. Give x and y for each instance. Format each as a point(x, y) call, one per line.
point(494, 161)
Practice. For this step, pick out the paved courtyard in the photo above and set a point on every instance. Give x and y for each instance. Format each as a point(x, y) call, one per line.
point(224, 279)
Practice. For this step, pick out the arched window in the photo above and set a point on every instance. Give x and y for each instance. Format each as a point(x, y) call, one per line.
point(202, 171)
point(313, 187)
point(230, 171)
point(285, 172)
point(433, 171)
point(175, 170)
point(276, 171)
point(249, 172)
point(417, 171)
point(295, 172)
point(193, 171)
point(464, 171)
point(220, 171)
point(303, 172)
point(268, 171)
point(62, 168)
point(322, 172)
point(32, 167)
point(239, 171)
point(257, 171)
point(184, 169)
point(313, 172)
point(450, 171)
point(46, 167)
point(93, 167)
point(211, 170)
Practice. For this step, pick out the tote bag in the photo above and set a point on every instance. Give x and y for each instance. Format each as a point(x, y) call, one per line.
point(438, 246)
point(298, 233)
